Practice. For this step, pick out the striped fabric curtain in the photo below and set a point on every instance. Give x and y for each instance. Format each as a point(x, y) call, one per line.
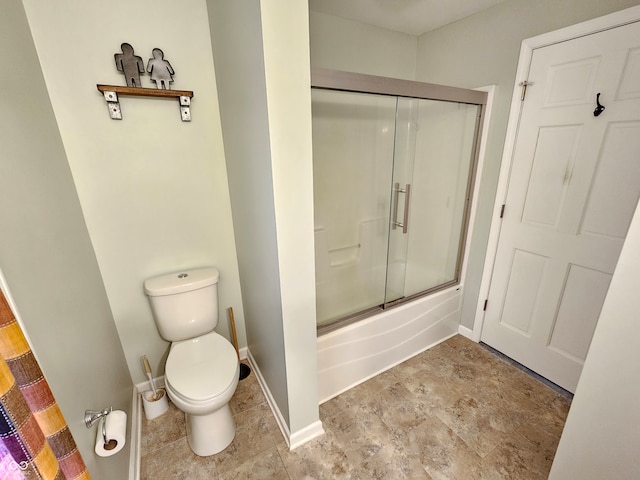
point(32, 428)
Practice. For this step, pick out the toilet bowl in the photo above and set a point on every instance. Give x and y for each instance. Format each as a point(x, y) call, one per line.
point(202, 368)
point(201, 376)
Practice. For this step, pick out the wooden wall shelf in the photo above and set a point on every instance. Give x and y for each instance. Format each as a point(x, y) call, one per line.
point(111, 92)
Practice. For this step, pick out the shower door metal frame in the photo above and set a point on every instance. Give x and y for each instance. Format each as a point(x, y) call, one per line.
point(326, 79)
point(361, 83)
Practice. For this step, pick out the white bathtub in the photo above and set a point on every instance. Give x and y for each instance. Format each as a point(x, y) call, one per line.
point(357, 352)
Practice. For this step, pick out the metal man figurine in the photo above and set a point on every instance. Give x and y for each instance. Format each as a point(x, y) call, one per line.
point(131, 65)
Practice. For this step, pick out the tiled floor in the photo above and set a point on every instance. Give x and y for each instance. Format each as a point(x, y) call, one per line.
point(456, 411)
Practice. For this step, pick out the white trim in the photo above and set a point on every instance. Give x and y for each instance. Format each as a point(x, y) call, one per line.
point(284, 428)
point(294, 439)
point(14, 309)
point(466, 332)
point(607, 22)
point(475, 195)
point(136, 424)
point(243, 353)
point(308, 433)
point(135, 438)
point(589, 27)
point(146, 386)
point(484, 135)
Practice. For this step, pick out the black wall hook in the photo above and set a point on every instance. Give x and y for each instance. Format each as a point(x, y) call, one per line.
point(600, 108)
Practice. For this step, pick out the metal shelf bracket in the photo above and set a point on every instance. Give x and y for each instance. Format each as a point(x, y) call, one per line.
point(111, 92)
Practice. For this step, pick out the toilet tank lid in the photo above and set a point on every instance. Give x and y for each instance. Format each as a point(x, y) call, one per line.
point(183, 281)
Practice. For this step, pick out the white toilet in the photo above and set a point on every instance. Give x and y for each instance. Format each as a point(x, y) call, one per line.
point(202, 369)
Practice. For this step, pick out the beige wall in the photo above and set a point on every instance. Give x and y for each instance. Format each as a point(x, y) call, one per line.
point(153, 189)
point(46, 254)
point(483, 50)
point(236, 38)
point(286, 49)
point(341, 44)
point(262, 57)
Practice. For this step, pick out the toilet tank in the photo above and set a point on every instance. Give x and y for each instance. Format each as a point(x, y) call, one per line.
point(184, 304)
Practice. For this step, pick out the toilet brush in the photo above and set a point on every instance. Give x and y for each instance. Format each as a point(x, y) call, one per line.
point(147, 369)
point(244, 369)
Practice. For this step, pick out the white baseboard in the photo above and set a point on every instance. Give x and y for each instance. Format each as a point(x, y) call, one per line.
point(306, 434)
point(294, 439)
point(467, 332)
point(146, 386)
point(284, 428)
point(136, 424)
point(135, 436)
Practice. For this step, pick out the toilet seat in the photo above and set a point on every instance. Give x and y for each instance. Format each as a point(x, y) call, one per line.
point(201, 369)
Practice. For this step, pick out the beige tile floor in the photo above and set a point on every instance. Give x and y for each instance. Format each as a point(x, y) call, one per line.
point(456, 411)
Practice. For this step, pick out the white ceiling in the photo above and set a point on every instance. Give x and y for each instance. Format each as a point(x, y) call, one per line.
point(409, 16)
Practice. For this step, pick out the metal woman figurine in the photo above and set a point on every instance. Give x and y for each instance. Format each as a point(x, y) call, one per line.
point(160, 70)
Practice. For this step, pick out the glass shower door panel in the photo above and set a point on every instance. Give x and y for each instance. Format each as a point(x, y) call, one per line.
point(441, 136)
point(400, 192)
point(353, 141)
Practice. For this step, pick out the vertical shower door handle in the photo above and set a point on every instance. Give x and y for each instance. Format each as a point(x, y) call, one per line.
point(405, 220)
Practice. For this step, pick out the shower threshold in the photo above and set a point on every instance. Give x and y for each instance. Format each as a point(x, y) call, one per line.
point(344, 321)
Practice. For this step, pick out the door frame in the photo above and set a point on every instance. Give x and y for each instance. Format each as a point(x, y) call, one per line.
point(529, 45)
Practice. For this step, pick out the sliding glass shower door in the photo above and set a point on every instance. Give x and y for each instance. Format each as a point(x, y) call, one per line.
point(392, 177)
point(353, 144)
point(434, 153)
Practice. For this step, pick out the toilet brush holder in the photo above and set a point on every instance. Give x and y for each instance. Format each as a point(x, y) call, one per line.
point(155, 405)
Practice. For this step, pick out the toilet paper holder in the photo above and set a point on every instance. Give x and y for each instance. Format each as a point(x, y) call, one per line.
point(92, 416)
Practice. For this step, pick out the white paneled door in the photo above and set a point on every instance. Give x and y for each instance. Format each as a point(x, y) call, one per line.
point(573, 187)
